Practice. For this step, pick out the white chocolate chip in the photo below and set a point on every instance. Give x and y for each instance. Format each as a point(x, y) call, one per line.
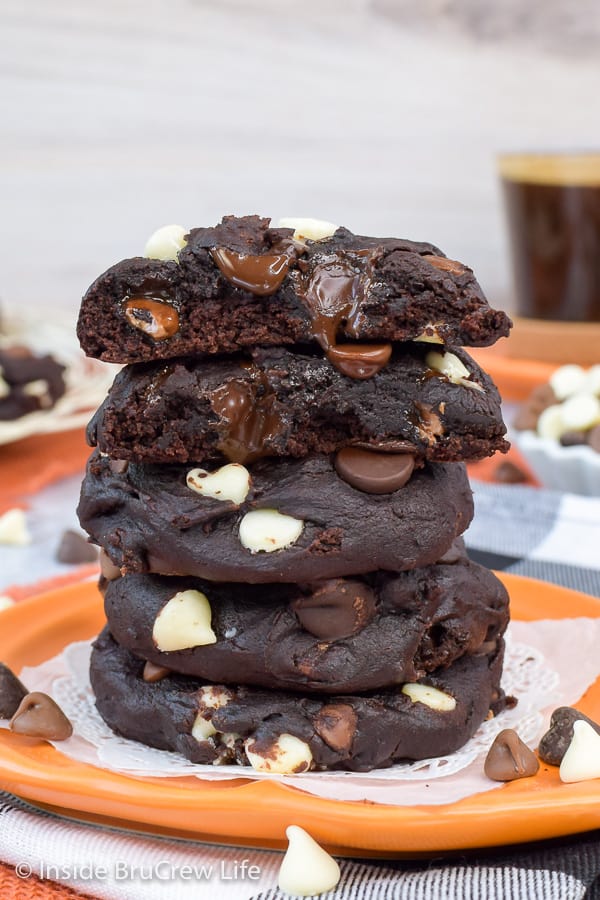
point(582, 759)
point(165, 243)
point(567, 380)
point(580, 412)
point(230, 482)
point(288, 754)
point(184, 622)
point(268, 530)
point(308, 229)
point(429, 335)
point(447, 364)
point(6, 602)
point(4, 386)
point(13, 528)
point(306, 869)
point(229, 738)
point(473, 385)
point(213, 697)
point(202, 729)
point(39, 389)
point(550, 423)
point(592, 381)
point(429, 696)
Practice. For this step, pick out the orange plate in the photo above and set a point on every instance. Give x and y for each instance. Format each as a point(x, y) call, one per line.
point(256, 813)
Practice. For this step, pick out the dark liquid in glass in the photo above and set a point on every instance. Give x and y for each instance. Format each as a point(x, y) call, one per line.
point(555, 238)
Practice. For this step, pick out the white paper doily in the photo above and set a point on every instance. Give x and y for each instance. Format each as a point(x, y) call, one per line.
point(87, 380)
point(539, 684)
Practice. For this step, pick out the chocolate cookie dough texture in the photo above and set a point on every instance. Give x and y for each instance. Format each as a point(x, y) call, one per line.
point(278, 488)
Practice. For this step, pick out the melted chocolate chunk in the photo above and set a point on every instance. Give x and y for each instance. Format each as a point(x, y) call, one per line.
point(261, 275)
point(509, 758)
point(336, 609)
point(336, 725)
point(40, 716)
point(249, 418)
point(154, 317)
point(12, 691)
point(334, 287)
point(359, 360)
point(374, 472)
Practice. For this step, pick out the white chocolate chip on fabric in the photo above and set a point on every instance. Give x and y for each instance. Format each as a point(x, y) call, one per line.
point(165, 243)
point(550, 423)
point(288, 754)
point(268, 530)
point(306, 229)
point(202, 729)
point(13, 528)
point(567, 380)
point(229, 483)
point(580, 412)
point(306, 869)
point(183, 622)
point(429, 696)
point(581, 762)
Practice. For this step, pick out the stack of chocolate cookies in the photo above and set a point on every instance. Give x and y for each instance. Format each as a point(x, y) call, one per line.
point(279, 489)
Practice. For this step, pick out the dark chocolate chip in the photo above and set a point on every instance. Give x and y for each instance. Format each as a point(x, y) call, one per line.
point(573, 438)
point(336, 610)
point(39, 716)
point(540, 399)
point(336, 725)
point(12, 692)
point(593, 438)
point(509, 758)
point(555, 742)
point(373, 472)
point(508, 473)
point(74, 549)
point(153, 673)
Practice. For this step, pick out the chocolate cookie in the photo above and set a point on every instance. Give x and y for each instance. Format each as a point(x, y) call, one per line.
point(289, 521)
point(283, 403)
point(312, 637)
point(242, 284)
point(285, 732)
point(28, 383)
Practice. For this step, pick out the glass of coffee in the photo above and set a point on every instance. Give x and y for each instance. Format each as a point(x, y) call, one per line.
point(553, 208)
